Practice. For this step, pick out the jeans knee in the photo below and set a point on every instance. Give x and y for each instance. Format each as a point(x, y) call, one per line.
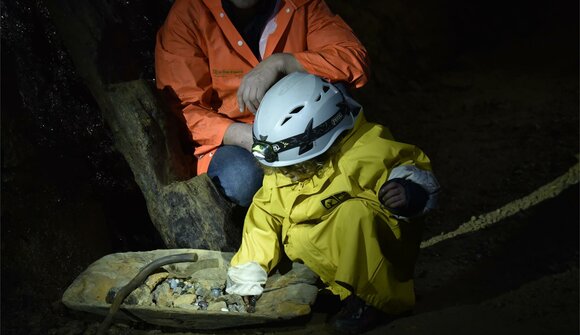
point(236, 173)
point(246, 185)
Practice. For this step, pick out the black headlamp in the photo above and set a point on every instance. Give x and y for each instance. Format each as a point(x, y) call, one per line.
point(264, 150)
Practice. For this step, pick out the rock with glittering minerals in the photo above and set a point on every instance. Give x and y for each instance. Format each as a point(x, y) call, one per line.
point(188, 295)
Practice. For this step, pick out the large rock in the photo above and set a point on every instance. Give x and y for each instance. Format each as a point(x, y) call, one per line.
point(286, 295)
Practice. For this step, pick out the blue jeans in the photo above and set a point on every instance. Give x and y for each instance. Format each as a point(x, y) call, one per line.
point(236, 173)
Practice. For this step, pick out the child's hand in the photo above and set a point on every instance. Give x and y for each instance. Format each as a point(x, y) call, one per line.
point(392, 195)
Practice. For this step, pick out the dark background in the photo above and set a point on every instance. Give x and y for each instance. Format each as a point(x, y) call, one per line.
point(488, 89)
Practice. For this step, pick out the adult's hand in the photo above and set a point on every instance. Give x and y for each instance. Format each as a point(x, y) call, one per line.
point(256, 82)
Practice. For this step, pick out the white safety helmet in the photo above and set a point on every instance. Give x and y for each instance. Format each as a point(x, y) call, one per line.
point(299, 118)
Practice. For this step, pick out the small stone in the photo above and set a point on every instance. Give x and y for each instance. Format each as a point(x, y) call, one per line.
point(153, 280)
point(216, 292)
point(234, 307)
point(217, 306)
point(187, 299)
point(187, 306)
point(187, 286)
point(111, 294)
point(203, 305)
point(201, 291)
point(173, 282)
point(140, 296)
point(188, 290)
point(162, 296)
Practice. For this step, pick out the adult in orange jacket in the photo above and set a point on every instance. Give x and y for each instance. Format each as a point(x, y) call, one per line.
point(218, 58)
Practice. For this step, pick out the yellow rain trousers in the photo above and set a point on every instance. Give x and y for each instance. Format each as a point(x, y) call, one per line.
point(335, 224)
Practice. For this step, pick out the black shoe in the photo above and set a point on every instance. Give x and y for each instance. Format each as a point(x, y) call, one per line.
point(356, 316)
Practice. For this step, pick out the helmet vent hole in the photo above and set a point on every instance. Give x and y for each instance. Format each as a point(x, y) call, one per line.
point(325, 88)
point(296, 110)
point(285, 120)
point(318, 97)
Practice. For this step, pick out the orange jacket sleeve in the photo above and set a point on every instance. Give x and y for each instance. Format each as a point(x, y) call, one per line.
point(182, 66)
point(333, 51)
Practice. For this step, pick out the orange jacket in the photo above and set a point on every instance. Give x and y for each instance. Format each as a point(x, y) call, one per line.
point(201, 58)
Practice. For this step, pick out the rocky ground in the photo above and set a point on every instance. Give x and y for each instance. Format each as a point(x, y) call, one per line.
point(498, 116)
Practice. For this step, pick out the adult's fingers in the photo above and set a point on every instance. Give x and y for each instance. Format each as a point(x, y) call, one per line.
point(260, 92)
point(253, 100)
point(245, 95)
point(255, 84)
point(249, 94)
point(240, 95)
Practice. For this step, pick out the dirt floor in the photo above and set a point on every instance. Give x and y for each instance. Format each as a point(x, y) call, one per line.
point(499, 120)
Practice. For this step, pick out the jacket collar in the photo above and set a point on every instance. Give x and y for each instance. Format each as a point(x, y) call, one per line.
point(215, 7)
point(297, 3)
point(212, 4)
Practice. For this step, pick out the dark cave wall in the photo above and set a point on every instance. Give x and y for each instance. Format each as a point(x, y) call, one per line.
point(68, 197)
point(408, 40)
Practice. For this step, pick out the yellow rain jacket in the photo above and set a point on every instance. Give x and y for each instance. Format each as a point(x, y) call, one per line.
point(336, 225)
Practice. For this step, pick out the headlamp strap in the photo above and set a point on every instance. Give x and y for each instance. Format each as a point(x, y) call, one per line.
point(305, 139)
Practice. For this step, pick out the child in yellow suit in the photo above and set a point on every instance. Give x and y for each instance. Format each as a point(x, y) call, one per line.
point(339, 195)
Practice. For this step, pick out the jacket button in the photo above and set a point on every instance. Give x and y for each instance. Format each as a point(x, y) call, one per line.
point(240, 43)
point(222, 14)
point(287, 10)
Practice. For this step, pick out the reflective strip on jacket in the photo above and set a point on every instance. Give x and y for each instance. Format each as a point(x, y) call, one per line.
point(201, 58)
point(285, 215)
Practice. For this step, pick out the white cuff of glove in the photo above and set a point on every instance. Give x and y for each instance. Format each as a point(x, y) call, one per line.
point(246, 279)
point(422, 177)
